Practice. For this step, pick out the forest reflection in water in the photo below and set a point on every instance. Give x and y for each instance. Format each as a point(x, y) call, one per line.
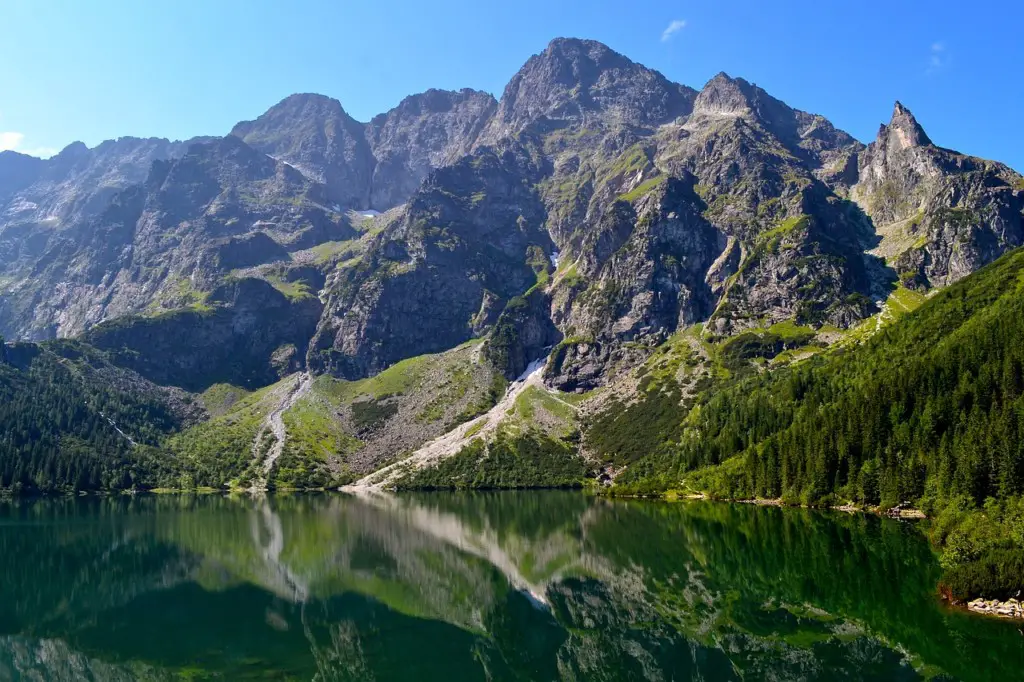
point(505, 586)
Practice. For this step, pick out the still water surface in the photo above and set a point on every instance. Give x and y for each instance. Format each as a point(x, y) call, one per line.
point(503, 586)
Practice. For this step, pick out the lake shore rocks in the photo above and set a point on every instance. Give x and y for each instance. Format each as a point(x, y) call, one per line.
point(1011, 608)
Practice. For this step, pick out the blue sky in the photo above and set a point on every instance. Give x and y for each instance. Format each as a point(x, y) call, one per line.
point(93, 70)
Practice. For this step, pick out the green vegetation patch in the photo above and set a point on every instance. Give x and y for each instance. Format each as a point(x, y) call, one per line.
point(218, 453)
point(528, 460)
point(998, 575)
point(628, 433)
point(294, 291)
point(220, 398)
point(180, 293)
point(643, 189)
point(314, 432)
point(400, 378)
point(340, 251)
point(771, 240)
point(548, 410)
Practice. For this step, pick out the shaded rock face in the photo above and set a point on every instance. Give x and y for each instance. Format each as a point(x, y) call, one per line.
point(17, 171)
point(645, 268)
point(167, 249)
point(78, 182)
point(423, 132)
point(169, 242)
point(522, 334)
point(246, 338)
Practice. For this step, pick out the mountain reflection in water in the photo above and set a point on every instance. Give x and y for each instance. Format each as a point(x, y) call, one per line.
point(502, 586)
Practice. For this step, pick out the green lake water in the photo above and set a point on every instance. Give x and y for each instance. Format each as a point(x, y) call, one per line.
point(497, 586)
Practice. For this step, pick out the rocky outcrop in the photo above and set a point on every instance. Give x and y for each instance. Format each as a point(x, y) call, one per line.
point(941, 214)
point(640, 275)
point(822, 148)
point(993, 607)
point(522, 334)
point(423, 132)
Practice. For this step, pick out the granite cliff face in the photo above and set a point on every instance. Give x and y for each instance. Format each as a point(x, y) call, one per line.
point(597, 207)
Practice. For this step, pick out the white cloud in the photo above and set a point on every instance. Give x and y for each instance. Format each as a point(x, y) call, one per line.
point(674, 26)
point(938, 57)
point(12, 141)
point(41, 152)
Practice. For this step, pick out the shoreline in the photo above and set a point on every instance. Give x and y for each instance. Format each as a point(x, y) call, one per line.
point(1011, 609)
point(898, 512)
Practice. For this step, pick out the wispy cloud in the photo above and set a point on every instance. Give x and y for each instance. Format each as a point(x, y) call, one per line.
point(938, 57)
point(674, 27)
point(12, 141)
point(41, 152)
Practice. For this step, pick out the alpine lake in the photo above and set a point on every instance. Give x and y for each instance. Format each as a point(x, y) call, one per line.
point(476, 586)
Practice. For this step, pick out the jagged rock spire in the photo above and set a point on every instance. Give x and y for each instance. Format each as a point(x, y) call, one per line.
point(905, 129)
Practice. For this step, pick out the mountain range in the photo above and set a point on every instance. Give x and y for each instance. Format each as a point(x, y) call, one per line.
point(329, 296)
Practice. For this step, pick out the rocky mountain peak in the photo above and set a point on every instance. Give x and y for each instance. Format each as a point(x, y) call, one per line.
point(576, 80)
point(725, 96)
point(73, 150)
point(72, 155)
point(573, 50)
point(314, 134)
point(904, 130)
point(807, 136)
point(305, 105)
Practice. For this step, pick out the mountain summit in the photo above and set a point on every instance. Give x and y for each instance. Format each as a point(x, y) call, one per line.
point(579, 81)
point(907, 131)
